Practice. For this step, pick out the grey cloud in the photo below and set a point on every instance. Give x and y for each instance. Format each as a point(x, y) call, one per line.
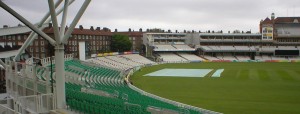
point(170, 14)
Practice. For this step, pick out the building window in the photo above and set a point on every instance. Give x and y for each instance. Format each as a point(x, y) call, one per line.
point(19, 37)
point(42, 49)
point(36, 43)
point(36, 49)
point(42, 43)
point(31, 50)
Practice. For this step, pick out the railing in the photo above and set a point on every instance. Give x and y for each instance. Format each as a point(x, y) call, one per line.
point(47, 61)
point(29, 87)
point(42, 103)
point(6, 110)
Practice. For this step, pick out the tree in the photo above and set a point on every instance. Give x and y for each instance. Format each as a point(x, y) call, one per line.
point(120, 43)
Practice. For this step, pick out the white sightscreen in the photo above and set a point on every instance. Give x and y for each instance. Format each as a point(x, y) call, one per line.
point(81, 50)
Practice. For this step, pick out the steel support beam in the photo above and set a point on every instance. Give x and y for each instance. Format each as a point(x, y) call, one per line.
point(33, 35)
point(59, 58)
point(54, 20)
point(63, 21)
point(3, 64)
point(27, 23)
point(75, 21)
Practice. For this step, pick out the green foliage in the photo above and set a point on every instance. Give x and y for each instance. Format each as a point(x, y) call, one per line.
point(120, 43)
point(243, 88)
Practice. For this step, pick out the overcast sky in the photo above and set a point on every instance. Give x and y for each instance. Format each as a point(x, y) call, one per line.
point(166, 14)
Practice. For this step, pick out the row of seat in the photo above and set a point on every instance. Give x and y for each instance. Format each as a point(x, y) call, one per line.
point(122, 98)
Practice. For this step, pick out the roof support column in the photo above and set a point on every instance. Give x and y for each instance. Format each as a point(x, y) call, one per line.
point(60, 76)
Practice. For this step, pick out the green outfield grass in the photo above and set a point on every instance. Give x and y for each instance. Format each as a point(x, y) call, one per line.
point(243, 88)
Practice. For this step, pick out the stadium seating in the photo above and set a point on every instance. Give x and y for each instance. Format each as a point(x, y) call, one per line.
point(190, 57)
point(172, 47)
point(85, 82)
point(211, 57)
point(266, 57)
point(278, 58)
point(268, 48)
point(121, 62)
point(183, 47)
point(228, 56)
point(294, 58)
point(164, 48)
point(138, 59)
point(242, 58)
point(228, 48)
point(287, 48)
point(170, 57)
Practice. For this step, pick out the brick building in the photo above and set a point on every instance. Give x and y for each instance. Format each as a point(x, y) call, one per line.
point(97, 40)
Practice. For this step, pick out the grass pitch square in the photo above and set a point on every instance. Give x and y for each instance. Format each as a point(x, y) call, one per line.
point(181, 72)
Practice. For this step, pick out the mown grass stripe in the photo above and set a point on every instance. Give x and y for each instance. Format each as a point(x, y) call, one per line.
point(284, 75)
point(263, 75)
point(244, 74)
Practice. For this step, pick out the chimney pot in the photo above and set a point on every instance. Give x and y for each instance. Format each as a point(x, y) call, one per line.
point(98, 28)
point(92, 28)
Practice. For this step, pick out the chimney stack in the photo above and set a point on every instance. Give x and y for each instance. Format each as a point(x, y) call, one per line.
point(129, 30)
point(116, 30)
point(105, 29)
point(98, 28)
point(141, 30)
point(80, 27)
point(169, 31)
point(92, 28)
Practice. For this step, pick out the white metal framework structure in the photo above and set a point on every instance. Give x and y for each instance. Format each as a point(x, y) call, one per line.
point(61, 38)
